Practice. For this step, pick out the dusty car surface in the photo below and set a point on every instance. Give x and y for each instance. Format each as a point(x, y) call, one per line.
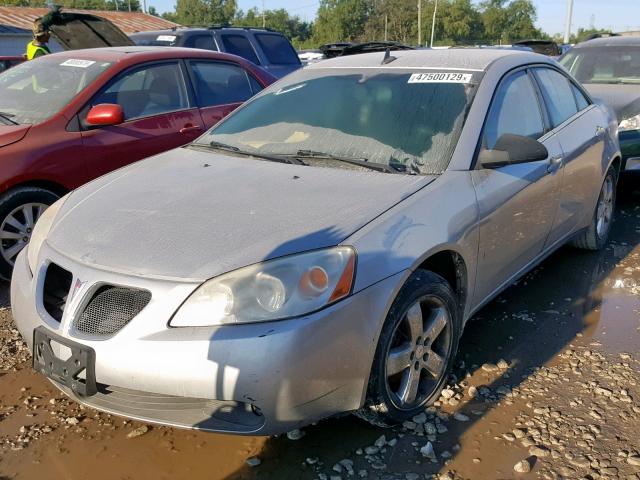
point(70, 117)
point(321, 249)
point(609, 68)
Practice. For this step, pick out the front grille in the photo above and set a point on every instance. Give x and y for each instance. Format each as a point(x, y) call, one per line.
point(57, 283)
point(110, 309)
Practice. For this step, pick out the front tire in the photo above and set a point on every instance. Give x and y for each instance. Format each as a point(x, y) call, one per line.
point(595, 237)
point(19, 210)
point(415, 351)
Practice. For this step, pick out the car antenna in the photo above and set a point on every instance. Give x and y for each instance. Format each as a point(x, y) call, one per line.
point(388, 58)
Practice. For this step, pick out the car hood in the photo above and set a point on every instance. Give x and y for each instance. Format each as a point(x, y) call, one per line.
point(75, 31)
point(12, 133)
point(192, 215)
point(624, 99)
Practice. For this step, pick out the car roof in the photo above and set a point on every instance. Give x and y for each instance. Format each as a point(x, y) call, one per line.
point(189, 30)
point(474, 59)
point(115, 54)
point(616, 41)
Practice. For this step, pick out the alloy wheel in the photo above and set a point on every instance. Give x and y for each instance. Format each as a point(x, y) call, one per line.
point(16, 229)
point(418, 353)
point(605, 207)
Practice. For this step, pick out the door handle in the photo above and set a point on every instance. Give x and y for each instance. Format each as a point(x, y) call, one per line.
point(599, 131)
point(190, 128)
point(554, 163)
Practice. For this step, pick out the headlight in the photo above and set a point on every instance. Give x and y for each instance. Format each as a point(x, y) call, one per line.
point(632, 123)
point(273, 290)
point(40, 232)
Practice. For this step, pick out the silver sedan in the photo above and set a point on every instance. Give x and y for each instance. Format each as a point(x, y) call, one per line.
point(320, 250)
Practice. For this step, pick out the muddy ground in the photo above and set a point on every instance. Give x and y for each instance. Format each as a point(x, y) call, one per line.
point(547, 380)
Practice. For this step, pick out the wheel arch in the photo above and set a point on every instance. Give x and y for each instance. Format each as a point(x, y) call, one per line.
point(450, 265)
point(49, 185)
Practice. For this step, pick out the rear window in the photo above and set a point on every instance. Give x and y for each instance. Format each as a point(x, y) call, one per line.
point(155, 39)
point(240, 45)
point(277, 49)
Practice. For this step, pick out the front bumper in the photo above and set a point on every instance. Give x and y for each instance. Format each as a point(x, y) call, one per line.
point(262, 378)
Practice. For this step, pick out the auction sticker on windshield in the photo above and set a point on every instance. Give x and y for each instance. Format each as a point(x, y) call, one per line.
point(445, 77)
point(74, 62)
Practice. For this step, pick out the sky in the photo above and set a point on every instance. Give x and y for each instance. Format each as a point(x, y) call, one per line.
point(615, 15)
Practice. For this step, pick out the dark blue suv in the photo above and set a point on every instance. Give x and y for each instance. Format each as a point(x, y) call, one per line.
point(267, 48)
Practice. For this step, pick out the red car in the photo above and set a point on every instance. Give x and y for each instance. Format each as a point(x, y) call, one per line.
point(70, 117)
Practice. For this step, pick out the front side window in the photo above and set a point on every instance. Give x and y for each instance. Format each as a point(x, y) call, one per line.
point(240, 45)
point(147, 91)
point(604, 64)
point(33, 92)
point(379, 117)
point(220, 84)
point(515, 110)
point(277, 49)
point(558, 95)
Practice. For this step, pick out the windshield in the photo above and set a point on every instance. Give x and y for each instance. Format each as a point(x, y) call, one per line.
point(604, 64)
point(34, 91)
point(393, 118)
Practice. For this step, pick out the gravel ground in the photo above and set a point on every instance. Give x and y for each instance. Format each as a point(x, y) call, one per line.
point(546, 385)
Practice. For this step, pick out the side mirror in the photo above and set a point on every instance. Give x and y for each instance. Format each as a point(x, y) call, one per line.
point(105, 114)
point(511, 149)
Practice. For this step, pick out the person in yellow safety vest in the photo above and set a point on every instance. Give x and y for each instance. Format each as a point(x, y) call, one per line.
point(38, 46)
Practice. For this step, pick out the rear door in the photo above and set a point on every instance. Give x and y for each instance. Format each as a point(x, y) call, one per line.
point(220, 87)
point(517, 203)
point(159, 116)
point(580, 128)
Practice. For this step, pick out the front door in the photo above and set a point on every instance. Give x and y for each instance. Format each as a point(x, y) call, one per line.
point(517, 203)
point(158, 115)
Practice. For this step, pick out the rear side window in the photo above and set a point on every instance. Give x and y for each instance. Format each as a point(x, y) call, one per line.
point(239, 45)
point(515, 110)
point(147, 91)
point(277, 49)
point(220, 84)
point(558, 95)
point(200, 41)
point(255, 85)
point(581, 100)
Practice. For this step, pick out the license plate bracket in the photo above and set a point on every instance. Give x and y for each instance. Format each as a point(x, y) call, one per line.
point(66, 372)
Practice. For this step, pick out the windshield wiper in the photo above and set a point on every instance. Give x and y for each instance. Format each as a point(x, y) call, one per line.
point(7, 118)
point(265, 156)
point(360, 161)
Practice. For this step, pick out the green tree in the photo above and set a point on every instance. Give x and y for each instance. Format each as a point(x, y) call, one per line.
point(494, 19)
point(461, 22)
point(293, 27)
point(521, 14)
point(340, 20)
point(205, 12)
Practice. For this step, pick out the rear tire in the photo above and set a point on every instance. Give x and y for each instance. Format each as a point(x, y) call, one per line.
point(415, 352)
point(19, 210)
point(596, 235)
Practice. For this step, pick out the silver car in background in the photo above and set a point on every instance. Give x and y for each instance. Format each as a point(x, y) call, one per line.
point(320, 250)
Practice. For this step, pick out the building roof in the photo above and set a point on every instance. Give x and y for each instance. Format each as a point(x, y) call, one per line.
point(474, 59)
point(15, 20)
